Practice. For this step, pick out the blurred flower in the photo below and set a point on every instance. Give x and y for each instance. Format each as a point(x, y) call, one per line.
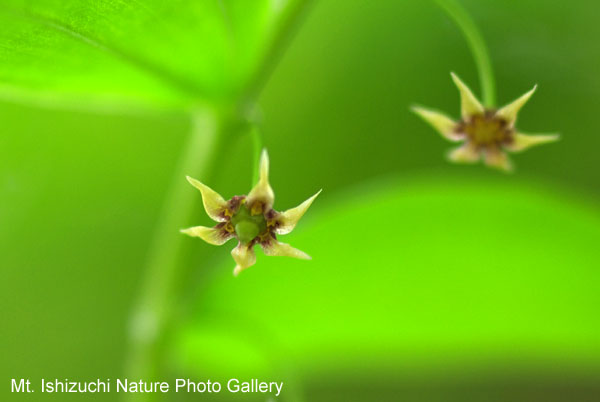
point(485, 132)
point(250, 219)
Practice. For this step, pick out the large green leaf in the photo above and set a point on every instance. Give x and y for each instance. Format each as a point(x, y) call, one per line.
point(411, 274)
point(169, 52)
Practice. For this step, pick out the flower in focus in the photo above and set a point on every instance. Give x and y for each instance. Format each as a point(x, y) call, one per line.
point(486, 133)
point(250, 219)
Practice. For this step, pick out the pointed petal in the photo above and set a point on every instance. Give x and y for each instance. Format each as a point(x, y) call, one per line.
point(442, 123)
point(214, 204)
point(287, 220)
point(499, 160)
point(262, 191)
point(244, 257)
point(522, 142)
point(275, 248)
point(464, 154)
point(210, 235)
point(469, 105)
point(510, 111)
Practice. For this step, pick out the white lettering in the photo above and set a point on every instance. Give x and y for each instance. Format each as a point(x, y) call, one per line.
point(20, 387)
point(278, 386)
point(142, 386)
point(233, 385)
point(200, 387)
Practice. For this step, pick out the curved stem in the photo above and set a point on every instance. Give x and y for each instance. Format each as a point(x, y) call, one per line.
point(477, 46)
point(281, 36)
point(151, 315)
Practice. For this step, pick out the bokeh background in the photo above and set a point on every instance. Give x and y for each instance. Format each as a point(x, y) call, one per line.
point(429, 281)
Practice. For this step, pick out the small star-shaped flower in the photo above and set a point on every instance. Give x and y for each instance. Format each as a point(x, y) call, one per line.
point(485, 132)
point(250, 219)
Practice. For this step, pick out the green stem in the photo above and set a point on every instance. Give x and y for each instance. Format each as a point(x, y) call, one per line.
point(477, 46)
point(257, 146)
point(282, 34)
point(152, 313)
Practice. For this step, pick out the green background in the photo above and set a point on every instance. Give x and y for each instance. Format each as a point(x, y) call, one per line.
point(429, 281)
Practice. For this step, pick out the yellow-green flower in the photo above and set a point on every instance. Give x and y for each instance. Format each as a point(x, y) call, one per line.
point(250, 219)
point(486, 133)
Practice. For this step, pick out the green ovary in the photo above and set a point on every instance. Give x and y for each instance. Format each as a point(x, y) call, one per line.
point(247, 226)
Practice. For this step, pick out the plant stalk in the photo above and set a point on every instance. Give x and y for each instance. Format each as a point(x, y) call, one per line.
point(152, 315)
point(257, 146)
point(152, 312)
point(477, 46)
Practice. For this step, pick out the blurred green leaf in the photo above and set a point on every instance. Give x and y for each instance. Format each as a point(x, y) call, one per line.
point(166, 52)
point(412, 273)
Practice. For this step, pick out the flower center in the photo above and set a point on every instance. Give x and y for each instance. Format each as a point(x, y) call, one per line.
point(248, 226)
point(486, 129)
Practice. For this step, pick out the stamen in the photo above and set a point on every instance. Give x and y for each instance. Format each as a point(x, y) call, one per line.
point(256, 209)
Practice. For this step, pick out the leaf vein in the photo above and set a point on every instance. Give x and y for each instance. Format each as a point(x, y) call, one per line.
point(181, 83)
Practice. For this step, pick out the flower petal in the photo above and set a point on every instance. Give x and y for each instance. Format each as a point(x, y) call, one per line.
point(522, 142)
point(469, 105)
point(275, 248)
point(464, 154)
point(210, 235)
point(244, 257)
point(287, 220)
point(214, 204)
point(498, 159)
point(442, 123)
point(510, 111)
point(262, 191)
